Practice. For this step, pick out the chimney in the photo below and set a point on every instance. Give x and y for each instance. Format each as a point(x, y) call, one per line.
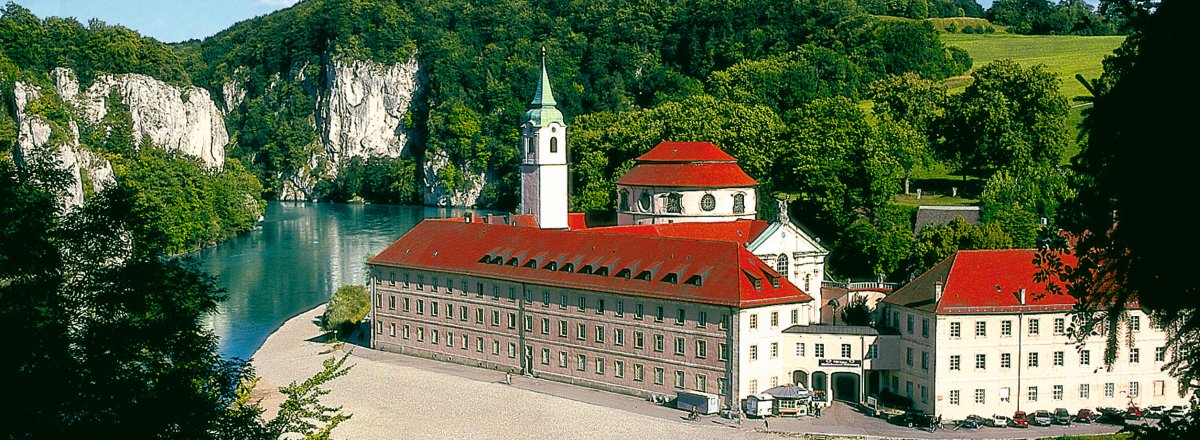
point(1021, 296)
point(467, 217)
point(938, 287)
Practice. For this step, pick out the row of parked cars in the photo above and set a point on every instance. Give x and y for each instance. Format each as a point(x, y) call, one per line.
point(1060, 416)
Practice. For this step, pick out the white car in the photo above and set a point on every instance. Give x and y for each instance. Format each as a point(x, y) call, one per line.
point(1177, 411)
point(998, 421)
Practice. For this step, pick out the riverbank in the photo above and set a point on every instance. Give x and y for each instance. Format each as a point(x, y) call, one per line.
point(396, 396)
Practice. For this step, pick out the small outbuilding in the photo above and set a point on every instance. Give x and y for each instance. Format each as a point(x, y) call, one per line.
point(760, 405)
point(790, 400)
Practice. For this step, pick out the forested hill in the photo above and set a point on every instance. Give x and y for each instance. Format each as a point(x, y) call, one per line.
point(470, 66)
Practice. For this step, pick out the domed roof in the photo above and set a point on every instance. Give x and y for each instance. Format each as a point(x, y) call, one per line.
point(687, 164)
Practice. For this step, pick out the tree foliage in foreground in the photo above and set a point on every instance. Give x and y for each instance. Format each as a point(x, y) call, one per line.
point(107, 334)
point(1138, 162)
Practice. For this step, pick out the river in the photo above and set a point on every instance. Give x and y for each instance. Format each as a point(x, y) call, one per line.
point(296, 257)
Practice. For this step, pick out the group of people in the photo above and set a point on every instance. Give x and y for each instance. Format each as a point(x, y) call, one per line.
point(814, 409)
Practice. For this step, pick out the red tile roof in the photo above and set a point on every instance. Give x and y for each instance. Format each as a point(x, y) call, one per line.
point(726, 272)
point(737, 231)
point(683, 152)
point(970, 285)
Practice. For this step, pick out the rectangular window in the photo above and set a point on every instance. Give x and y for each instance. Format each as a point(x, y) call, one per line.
point(955, 330)
point(496, 293)
point(1058, 358)
point(910, 324)
point(1133, 389)
point(449, 311)
point(1135, 355)
point(581, 361)
point(679, 379)
point(954, 397)
point(819, 350)
point(512, 320)
point(724, 322)
point(495, 347)
point(619, 337)
point(1085, 391)
point(955, 362)
point(846, 350)
point(420, 334)
point(1110, 389)
point(723, 351)
point(795, 316)
point(545, 326)
point(680, 316)
point(1060, 326)
point(774, 350)
point(582, 303)
point(753, 321)
point(599, 365)
point(479, 290)
point(392, 280)
point(800, 349)
point(658, 313)
point(658, 375)
point(562, 359)
point(620, 311)
point(753, 352)
point(434, 337)
point(433, 308)
point(980, 361)
point(701, 349)
point(924, 327)
point(1057, 392)
point(924, 360)
point(464, 341)
point(722, 385)
point(379, 327)
point(1032, 394)
point(434, 286)
point(638, 373)
point(753, 386)
point(1005, 360)
point(658, 343)
point(980, 329)
point(599, 306)
point(479, 344)
point(545, 299)
point(420, 282)
point(702, 320)
point(449, 285)
point(462, 313)
point(1034, 327)
point(701, 383)
point(1085, 357)
point(545, 356)
point(1006, 328)
point(512, 350)
point(600, 334)
point(639, 340)
point(379, 301)
point(420, 307)
point(873, 351)
point(1160, 387)
point(680, 346)
point(464, 288)
point(562, 301)
point(392, 330)
point(908, 356)
point(774, 319)
point(1033, 360)
point(980, 396)
point(639, 311)
point(495, 318)
point(392, 303)
point(581, 331)
point(562, 328)
point(924, 394)
point(407, 333)
point(1135, 323)
point(1160, 354)
point(619, 368)
point(512, 294)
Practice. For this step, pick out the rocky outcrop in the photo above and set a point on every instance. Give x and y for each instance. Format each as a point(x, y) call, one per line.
point(467, 190)
point(364, 111)
point(184, 119)
point(86, 172)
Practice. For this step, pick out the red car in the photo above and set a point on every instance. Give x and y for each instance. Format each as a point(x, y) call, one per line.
point(1020, 419)
point(1133, 413)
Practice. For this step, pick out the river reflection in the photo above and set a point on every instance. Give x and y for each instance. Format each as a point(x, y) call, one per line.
point(297, 256)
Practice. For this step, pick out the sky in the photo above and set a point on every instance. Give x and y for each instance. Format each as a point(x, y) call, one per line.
point(169, 21)
point(172, 21)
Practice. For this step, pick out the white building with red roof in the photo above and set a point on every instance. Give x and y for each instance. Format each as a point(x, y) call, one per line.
point(685, 182)
point(979, 336)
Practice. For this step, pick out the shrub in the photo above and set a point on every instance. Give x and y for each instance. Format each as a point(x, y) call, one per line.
point(348, 306)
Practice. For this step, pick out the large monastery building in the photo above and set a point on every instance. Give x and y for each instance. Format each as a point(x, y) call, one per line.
point(691, 291)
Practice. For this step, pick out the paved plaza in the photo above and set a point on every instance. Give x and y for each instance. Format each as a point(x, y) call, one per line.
point(396, 396)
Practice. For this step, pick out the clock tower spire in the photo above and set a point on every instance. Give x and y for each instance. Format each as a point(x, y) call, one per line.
point(544, 157)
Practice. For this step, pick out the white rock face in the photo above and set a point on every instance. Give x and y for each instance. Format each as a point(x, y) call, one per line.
point(233, 92)
point(34, 142)
point(363, 112)
point(177, 118)
point(437, 194)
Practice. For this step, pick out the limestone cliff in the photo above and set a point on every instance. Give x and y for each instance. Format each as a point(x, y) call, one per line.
point(38, 141)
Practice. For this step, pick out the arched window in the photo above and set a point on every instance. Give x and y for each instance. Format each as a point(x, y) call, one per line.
point(739, 203)
point(708, 202)
point(554, 145)
point(530, 153)
point(808, 282)
point(781, 265)
point(674, 203)
point(644, 201)
point(624, 200)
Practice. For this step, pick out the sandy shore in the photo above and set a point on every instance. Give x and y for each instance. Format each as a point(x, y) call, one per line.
point(393, 396)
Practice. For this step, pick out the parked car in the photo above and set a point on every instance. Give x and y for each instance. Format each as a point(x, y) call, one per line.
point(1020, 419)
point(1134, 413)
point(914, 419)
point(1061, 417)
point(999, 421)
point(1111, 416)
point(1041, 417)
point(1178, 411)
point(1155, 412)
point(972, 422)
point(1086, 416)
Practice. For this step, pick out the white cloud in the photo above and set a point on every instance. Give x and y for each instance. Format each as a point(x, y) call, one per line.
point(276, 3)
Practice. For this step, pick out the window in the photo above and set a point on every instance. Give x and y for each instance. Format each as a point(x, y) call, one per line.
point(379, 301)
point(435, 337)
point(1057, 393)
point(449, 311)
point(1085, 391)
point(495, 347)
point(638, 373)
point(658, 375)
point(723, 351)
point(624, 200)
point(434, 285)
point(954, 397)
point(910, 324)
point(379, 327)
point(1133, 389)
point(599, 365)
point(639, 339)
point(496, 292)
point(674, 203)
point(800, 349)
point(1058, 358)
point(924, 394)
point(1135, 323)
point(619, 368)
point(955, 330)
point(753, 352)
point(979, 396)
point(1160, 354)
point(739, 203)
point(512, 320)
point(639, 311)
point(679, 379)
point(980, 329)
point(479, 290)
point(479, 344)
point(462, 313)
point(545, 299)
point(781, 265)
point(722, 385)
point(753, 386)
point(420, 334)
point(1034, 325)
point(680, 346)
point(581, 362)
point(795, 316)
point(873, 351)
point(658, 314)
point(512, 294)
point(658, 343)
point(553, 144)
point(420, 282)
point(545, 356)
point(1032, 394)
point(819, 350)
point(774, 350)
point(562, 301)
point(420, 307)
point(845, 350)
point(955, 362)
point(562, 328)
point(581, 331)
point(708, 202)
point(392, 303)
point(724, 324)
point(1109, 389)
point(545, 326)
point(702, 320)
point(701, 382)
point(392, 330)
point(753, 321)
point(1085, 357)
point(924, 327)
point(701, 349)
point(465, 341)
point(1060, 326)
point(562, 359)
point(512, 350)
point(1005, 394)
point(600, 334)
point(680, 316)
point(1033, 360)
point(392, 279)
point(1006, 328)
point(774, 319)
point(1160, 387)
point(1135, 355)
point(924, 360)
point(1005, 360)
point(620, 308)
point(619, 336)
point(582, 303)
point(908, 356)
point(495, 318)
point(981, 361)
point(644, 201)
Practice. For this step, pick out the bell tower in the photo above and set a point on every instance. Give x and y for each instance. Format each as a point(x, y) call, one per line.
point(544, 158)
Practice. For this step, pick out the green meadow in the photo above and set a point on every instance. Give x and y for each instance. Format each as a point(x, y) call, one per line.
point(1065, 55)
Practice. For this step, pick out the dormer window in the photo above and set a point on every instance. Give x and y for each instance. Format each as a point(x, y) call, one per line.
point(624, 273)
point(695, 280)
point(568, 268)
point(643, 275)
point(739, 203)
point(551, 266)
point(485, 259)
point(674, 203)
point(497, 260)
point(602, 271)
point(671, 277)
point(586, 269)
point(513, 262)
point(531, 264)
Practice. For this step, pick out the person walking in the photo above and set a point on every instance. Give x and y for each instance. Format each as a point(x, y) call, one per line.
point(766, 425)
point(508, 378)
